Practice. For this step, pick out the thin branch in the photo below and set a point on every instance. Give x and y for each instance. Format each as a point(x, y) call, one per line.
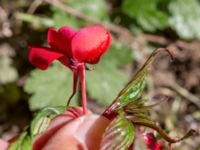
point(35, 4)
point(185, 94)
point(156, 39)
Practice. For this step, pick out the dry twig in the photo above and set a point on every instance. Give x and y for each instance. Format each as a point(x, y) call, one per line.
point(35, 4)
point(185, 94)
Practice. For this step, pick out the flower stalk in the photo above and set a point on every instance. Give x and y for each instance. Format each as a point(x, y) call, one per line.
point(83, 87)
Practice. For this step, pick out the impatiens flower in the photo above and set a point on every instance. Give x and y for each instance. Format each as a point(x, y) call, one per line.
point(84, 46)
point(73, 49)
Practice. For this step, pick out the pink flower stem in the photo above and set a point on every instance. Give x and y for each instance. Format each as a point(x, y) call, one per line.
point(83, 87)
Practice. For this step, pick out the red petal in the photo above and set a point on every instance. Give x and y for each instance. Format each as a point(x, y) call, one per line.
point(61, 40)
point(90, 43)
point(41, 57)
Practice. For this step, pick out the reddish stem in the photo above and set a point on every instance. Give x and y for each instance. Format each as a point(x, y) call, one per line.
point(75, 78)
point(83, 87)
point(110, 112)
point(170, 146)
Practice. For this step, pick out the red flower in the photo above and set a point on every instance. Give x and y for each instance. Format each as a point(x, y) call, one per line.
point(151, 142)
point(73, 49)
point(84, 46)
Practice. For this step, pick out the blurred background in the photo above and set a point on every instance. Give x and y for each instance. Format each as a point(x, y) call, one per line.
point(137, 27)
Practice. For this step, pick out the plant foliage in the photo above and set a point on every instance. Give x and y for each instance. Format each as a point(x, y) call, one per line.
point(50, 88)
point(146, 13)
point(184, 21)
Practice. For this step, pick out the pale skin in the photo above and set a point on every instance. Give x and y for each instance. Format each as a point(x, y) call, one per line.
point(84, 133)
point(3, 145)
point(67, 133)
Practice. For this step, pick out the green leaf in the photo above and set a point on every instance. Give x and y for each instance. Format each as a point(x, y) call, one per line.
point(51, 87)
point(132, 91)
point(42, 120)
point(91, 8)
point(119, 135)
point(185, 18)
point(61, 18)
point(134, 88)
point(107, 79)
point(146, 13)
point(23, 143)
